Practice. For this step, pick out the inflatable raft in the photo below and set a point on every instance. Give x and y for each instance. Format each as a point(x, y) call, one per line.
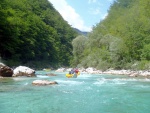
point(72, 75)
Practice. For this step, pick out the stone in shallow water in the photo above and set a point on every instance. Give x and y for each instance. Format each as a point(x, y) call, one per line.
point(23, 71)
point(44, 82)
point(6, 71)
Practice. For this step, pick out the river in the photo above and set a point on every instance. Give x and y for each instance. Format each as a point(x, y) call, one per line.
point(86, 94)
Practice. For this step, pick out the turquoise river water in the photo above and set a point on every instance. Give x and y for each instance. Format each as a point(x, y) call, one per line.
point(85, 94)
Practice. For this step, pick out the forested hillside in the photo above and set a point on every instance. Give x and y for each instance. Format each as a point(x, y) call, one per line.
point(121, 40)
point(32, 32)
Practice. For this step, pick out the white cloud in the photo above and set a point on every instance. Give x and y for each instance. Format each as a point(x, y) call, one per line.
point(70, 15)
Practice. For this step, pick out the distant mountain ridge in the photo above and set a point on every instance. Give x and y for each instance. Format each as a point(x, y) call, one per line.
point(81, 32)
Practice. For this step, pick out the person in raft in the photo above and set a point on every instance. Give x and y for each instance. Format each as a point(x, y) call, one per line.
point(75, 72)
point(72, 71)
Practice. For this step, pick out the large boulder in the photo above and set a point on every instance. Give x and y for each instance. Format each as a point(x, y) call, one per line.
point(6, 71)
point(23, 71)
point(43, 82)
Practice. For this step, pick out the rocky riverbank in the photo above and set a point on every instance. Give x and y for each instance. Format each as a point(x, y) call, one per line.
point(90, 70)
point(6, 71)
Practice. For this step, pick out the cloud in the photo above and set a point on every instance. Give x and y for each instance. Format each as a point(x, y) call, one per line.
point(70, 15)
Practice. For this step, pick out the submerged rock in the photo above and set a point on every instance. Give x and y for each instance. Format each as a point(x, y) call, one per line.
point(23, 71)
point(44, 82)
point(6, 71)
point(51, 74)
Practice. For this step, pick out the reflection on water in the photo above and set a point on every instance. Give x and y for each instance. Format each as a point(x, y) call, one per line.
point(85, 94)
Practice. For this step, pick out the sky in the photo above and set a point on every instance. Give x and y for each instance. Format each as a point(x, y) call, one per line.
point(82, 14)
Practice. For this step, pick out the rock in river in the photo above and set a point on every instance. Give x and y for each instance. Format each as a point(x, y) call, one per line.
point(6, 71)
point(44, 82)
point(23, 71)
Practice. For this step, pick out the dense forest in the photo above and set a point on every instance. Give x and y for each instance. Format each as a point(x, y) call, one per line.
point(33, 33)
point(120, 41)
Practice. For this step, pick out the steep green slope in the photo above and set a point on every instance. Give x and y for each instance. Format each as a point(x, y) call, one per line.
point(121, 40)
point(33, 31)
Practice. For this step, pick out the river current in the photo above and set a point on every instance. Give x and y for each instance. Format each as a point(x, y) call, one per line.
point(86, 94)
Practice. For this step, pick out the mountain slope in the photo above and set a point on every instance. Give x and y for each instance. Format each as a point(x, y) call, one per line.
point(120, 41)
point(33, 30)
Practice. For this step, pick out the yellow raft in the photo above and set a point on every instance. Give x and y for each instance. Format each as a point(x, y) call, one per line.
point(72, 75)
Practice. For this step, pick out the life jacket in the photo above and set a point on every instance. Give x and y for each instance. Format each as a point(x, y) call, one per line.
point(76, 71)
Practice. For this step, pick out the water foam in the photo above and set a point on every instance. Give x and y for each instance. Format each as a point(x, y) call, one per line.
point(69, 82)
point(100, 81)
point(19, 78)
point(42, 76)
point(26, 83)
